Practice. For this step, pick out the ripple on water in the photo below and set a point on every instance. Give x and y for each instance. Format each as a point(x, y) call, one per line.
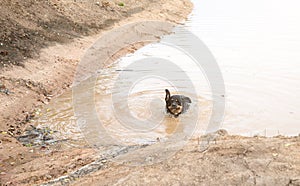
point(143, 104)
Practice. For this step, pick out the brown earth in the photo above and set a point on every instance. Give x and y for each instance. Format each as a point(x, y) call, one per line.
point(41, 44)
point(229, 160)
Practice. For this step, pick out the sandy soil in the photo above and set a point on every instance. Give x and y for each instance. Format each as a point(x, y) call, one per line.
point(41, 44)
point(230, 160)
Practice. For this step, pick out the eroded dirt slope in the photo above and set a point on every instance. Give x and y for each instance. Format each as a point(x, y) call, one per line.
point(27, 26)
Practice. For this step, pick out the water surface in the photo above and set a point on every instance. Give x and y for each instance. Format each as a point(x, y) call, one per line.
point(256, 44)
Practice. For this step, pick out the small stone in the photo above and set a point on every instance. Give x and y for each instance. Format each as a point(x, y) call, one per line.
point(149, 159)
point(222, 132)
point(48, 176)
point(2, 173)
point(121, 4)
point(287, 145)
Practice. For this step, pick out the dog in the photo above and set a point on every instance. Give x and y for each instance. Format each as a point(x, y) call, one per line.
point(176, 104)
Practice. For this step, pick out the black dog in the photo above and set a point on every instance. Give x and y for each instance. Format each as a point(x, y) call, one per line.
point(176, 104)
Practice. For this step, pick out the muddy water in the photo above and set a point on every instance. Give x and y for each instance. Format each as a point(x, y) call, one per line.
point(145, 102)
point(256, 44)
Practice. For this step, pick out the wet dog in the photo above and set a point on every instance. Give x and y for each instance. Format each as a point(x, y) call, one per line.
point(176, 104)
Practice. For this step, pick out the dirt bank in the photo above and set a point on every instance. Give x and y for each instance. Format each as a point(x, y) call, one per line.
point(230, 160)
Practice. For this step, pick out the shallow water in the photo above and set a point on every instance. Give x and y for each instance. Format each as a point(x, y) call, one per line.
point(112, 123)
point(256, 45)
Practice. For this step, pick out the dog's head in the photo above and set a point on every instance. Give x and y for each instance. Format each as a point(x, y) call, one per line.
point(176, 104)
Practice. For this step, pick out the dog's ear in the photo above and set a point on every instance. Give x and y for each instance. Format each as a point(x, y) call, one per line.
point(168, 95)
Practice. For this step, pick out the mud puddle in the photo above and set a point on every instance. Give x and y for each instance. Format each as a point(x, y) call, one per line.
point(145, 101)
